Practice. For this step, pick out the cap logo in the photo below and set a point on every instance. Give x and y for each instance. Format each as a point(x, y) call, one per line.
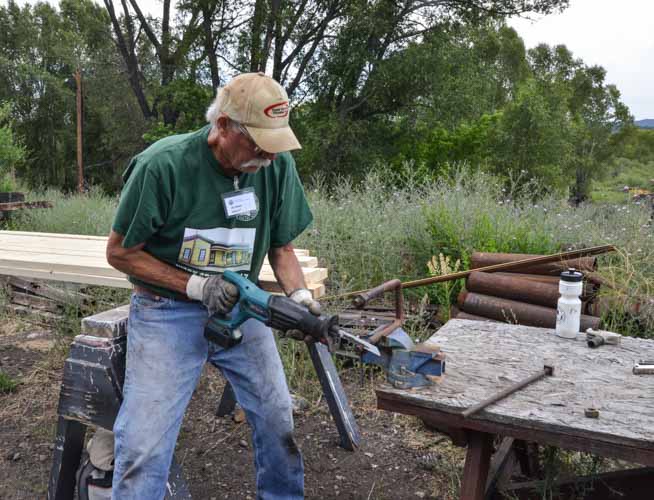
point(277, 110)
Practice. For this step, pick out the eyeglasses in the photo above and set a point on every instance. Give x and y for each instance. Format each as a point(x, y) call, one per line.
point(257, 150)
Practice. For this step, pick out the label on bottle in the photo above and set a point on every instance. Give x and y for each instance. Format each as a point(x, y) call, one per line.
point(568, 316)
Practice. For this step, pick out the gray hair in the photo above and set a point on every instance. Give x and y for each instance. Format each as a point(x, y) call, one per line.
point(215, 109)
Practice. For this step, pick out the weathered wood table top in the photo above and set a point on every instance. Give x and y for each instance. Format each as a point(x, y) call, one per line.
point(483, 358)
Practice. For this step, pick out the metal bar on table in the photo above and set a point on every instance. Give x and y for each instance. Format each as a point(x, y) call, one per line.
point(546, 371)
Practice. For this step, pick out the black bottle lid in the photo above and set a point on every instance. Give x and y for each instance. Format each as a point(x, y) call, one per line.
point(572, 275)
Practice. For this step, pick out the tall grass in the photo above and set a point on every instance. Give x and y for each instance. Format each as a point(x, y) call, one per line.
point(90, 213)
point(370, 233)
point(375, 231)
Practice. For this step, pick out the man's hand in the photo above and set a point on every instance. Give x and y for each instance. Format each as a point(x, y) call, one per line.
point(217, 294)
point(304, 297)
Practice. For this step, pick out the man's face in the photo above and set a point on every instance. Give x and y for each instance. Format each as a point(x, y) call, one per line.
point(244, 154)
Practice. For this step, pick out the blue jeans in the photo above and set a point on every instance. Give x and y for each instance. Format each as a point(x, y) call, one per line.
point(166, 351)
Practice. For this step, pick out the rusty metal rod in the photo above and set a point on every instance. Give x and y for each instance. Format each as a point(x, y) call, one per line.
point(485, 259)
point(546, 371)
point(497, 267)
point(362, 300)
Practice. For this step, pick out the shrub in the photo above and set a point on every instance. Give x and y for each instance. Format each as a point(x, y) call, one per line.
point(90, 213)
point(394, 222)
point(370, 233)
point(7, 384)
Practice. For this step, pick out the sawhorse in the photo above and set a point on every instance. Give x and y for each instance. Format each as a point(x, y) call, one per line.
point(91, 393)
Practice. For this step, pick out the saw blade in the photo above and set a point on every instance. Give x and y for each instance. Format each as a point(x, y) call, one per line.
point(359, 341)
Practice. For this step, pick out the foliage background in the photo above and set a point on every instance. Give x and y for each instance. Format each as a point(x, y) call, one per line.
point(373, 83)
point(427, 127)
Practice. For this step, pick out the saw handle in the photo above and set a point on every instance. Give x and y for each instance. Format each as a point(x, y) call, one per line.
point(278, 312)
point(252, 302)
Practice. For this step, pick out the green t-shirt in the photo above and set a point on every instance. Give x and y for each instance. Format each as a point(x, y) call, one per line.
point(172, 202)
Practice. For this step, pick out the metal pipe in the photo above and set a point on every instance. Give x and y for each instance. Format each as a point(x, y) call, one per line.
point(509, 287)
point(512, 311)
point(590, 286)
point(521, 264)
point(540, 278)
point(546, 371)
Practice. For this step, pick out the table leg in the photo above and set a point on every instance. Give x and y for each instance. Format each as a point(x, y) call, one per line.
point(527, 454)
point(501, 467)
point(475, 472)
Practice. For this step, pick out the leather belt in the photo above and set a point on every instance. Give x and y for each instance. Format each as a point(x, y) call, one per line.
point(153, 295)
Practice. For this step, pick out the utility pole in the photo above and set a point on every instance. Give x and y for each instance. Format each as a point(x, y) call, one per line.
point(80, 165)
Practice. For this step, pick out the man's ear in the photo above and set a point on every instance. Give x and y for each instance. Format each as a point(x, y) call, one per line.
point(222, 124)
point(220, 128)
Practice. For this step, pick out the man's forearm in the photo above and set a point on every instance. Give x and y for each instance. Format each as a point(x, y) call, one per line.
point(286, 268)
point(140, 264)
point(147, 268)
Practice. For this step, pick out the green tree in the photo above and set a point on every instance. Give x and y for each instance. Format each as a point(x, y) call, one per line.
point(532, 139)
point(11, 153)
point(40, 49)
point(595, 111)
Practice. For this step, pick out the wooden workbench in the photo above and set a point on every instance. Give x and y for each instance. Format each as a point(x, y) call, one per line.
point(484, 358)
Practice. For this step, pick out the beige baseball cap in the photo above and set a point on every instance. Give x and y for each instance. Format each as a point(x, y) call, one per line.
point(261, 105)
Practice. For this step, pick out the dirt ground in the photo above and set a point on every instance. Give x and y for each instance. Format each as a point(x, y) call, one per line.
point(398, 459)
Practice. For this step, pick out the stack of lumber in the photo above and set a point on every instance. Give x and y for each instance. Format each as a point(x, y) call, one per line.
point(526, 297)
point(81, 259)
point(46, 302)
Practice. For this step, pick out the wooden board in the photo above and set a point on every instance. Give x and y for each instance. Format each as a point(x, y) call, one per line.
point(19, 205)
point(484, 358)
point(81, 259)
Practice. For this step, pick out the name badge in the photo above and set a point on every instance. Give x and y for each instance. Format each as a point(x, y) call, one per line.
point(241, 202)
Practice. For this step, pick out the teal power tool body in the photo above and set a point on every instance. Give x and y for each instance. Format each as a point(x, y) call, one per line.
point(282, 313)
point(278, 312)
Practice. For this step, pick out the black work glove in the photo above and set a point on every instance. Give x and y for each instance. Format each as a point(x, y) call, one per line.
point(217, 294)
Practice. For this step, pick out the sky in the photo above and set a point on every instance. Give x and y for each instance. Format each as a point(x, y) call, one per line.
point(615, 34)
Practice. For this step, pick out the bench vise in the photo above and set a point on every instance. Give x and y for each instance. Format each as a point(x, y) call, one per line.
point(407, 365)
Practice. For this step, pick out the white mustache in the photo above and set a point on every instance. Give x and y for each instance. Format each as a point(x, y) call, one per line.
point(256, 162)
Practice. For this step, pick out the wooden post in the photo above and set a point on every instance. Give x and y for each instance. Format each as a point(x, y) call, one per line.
point(80, 165)
point(475, 471)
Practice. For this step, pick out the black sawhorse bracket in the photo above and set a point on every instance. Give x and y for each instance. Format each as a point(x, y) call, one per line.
point(91, 393)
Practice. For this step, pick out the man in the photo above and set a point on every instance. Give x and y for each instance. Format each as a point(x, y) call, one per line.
point(194, 205)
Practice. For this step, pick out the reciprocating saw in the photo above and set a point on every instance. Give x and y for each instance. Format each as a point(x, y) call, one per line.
point(275, 311)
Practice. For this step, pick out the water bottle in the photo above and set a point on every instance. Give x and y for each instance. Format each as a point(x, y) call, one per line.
point(568, 310)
